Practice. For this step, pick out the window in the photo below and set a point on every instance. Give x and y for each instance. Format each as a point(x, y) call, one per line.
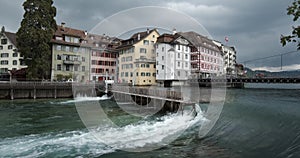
point(153, 36)
point(67, 48)
point(76, 67)
point(129, 58)
point(58, 38)
point(10, 47)
point(178, 73)
point(157, 63)
point(67, 67)
point(186, 64)
point(154, 74)
point(67, 39)
point(186, 56)
point(58, 47)
point(83, 68)
point(178, 64)
point(122, 74)
point(83, 59)
point(15, 54)
point(93, 70)
point(143, 65)
point(58, 57)
point(4, 55)
point(148, 74)
point(143, 74)
point(3, 41)
point(75, 49)
point(162, 49)
point(143, 50)
point(178, 47)
point(137, 74)
point(162, 58)
point(154, 66)
point(163, 67)
point(147, 65)
point(146, 42)
point(15, 62)
point(126, 74)
point(58, 67)
point(137, 65)
point(1, 47)
point(178, 55)
point(131, 74)
point(152, 42)
point(186, 48)
point(76, 40)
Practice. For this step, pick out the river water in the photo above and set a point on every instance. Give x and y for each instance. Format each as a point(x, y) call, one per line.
point(253, 123)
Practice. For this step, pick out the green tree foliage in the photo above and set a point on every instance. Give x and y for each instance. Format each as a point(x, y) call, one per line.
point(34, 35)
point(293, 10)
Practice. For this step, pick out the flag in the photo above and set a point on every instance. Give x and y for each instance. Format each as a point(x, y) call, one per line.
point(226, 39)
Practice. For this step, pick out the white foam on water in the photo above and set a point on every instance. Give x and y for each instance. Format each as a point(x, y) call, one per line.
point(149, 134)
point(83, 142)
point(80, 98)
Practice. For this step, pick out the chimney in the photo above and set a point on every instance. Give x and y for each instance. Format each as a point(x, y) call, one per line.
point(63, 24)
point(139, 37)
point(85, 32)
point(174, 31)
point(148, 31)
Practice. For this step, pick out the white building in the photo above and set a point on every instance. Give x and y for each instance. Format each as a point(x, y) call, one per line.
point(10, 58)
point(229, 57)
point(172, 59)
point(206, 58)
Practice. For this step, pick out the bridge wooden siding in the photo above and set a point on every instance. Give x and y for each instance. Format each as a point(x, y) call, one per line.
point(159, 94)
point(34, 90)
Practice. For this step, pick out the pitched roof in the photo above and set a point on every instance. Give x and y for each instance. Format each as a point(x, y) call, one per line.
point(169, 38)
point(135, 38)
point(12, 37)
point(199, 40)
point(62, 30)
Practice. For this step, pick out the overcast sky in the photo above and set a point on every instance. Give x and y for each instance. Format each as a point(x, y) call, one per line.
point(253, 26)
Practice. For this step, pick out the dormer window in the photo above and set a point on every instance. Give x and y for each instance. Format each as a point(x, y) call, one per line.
point(67, 39)
point(58, 38)
point(97, 44)
point(76, 40)
point(3, 41)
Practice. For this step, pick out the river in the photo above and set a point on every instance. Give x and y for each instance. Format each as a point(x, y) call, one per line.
point(253, 123)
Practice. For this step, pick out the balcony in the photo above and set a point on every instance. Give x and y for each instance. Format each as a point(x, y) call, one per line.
point(71, 62)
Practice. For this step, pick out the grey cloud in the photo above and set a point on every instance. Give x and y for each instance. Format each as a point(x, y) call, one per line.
point(254, 27)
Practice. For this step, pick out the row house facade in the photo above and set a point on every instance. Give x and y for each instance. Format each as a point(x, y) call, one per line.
point(137, 59)
point(70, 57)
point(206, 58)
point(173, 59)
point(103, 57)
point(229, 58)
point(10, 58)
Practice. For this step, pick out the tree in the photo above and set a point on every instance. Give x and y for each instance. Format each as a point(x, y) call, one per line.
point(34, 35)
point(293, 10)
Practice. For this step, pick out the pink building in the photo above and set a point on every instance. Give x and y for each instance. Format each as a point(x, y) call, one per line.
point(206, 58)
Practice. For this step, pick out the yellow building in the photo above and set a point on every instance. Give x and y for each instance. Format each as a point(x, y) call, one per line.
point(136, 61)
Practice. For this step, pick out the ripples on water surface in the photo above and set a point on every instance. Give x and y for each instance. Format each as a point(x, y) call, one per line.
point(254, 123)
